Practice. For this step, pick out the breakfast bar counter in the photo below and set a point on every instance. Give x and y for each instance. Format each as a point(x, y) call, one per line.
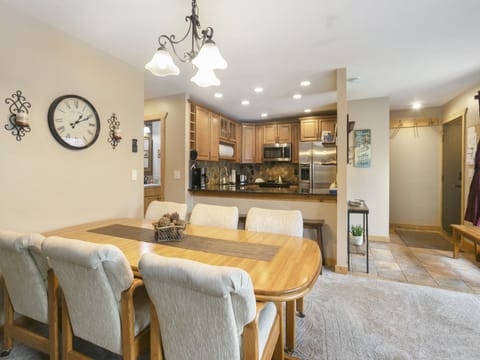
point(257, 192)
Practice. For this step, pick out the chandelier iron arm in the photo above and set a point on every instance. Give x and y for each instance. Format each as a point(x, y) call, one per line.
point(193, 26)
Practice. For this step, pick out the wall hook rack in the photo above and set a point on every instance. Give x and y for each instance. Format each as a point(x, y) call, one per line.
point(114, 134)
point(19, 123)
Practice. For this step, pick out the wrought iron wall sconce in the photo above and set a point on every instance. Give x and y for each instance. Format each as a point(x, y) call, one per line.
point(19, 123)
point(114, 134)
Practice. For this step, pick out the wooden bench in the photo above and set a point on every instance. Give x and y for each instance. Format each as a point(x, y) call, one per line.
point(465, 231)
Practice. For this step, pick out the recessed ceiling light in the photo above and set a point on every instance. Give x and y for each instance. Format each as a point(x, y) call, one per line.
point(258, 89)
point(245, 102)
point(264, 115)
point(297, 96)
point(218, 95)
point(305, 83)
point(416, 105)
point(307, 110)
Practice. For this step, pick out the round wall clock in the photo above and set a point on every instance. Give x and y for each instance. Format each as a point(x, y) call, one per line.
point(73, 122)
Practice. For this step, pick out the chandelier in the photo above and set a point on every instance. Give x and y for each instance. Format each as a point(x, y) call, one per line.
point(204, 54)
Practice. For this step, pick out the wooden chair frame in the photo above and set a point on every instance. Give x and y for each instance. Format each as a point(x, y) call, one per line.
point(14, 331)
point(132, 346)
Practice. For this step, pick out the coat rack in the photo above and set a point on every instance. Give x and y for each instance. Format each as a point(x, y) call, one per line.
point(413, 122)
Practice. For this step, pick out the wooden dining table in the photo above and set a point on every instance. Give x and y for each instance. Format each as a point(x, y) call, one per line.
point(282, 267)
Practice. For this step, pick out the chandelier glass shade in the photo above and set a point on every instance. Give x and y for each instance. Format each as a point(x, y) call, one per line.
point(204, 53)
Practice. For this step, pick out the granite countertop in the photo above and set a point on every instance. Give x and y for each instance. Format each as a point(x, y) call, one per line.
point(256, 189)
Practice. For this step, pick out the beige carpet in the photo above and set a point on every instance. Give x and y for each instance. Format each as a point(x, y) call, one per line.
point(424, 239)
point(350, 317)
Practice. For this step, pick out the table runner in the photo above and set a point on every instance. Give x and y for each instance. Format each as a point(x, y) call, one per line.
point(191, 242)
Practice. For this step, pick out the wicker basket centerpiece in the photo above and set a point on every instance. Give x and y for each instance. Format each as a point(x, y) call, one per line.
point(169, 228)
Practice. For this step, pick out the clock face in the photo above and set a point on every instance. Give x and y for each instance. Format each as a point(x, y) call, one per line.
point(73, 122)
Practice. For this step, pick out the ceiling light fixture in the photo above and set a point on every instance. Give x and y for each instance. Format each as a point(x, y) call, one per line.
point(307, 110)
point(218, 95)
point(204, 54)
point(305, 83)
point(245, 102)
point(264, 115)
point(416, 105)
point(297, 96)
point(258, 89)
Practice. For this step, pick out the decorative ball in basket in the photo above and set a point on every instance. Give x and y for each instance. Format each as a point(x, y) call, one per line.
point(169, 228)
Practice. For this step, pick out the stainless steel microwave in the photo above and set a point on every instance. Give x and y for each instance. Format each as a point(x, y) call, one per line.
point(277, 152)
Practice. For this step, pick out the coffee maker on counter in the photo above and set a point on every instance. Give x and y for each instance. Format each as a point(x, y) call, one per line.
point(199, 178)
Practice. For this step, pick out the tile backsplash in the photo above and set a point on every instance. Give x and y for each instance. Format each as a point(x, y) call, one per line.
point(267, 171)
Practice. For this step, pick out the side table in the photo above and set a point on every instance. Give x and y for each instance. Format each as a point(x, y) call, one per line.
point(363, 210)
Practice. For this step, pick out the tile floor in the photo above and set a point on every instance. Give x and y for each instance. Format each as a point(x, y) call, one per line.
point(436, 268)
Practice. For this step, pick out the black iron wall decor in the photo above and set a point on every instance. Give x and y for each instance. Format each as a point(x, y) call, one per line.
point(19, 123)
point(114, 134)
point(477, 97)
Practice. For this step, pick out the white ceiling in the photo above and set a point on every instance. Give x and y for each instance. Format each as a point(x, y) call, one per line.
point(410, 50)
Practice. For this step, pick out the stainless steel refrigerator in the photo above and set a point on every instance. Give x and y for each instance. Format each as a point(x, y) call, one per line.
point(317, 166)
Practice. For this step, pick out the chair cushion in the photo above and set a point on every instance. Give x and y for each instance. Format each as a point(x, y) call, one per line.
point(25, 274)
point(214, 215)
point(156, 209)
point(288, 222)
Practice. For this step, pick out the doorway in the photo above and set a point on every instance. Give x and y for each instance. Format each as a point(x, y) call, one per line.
point(154, 158)
point(452, 188)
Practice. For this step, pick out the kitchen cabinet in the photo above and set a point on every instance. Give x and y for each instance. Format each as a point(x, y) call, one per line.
point(311, 128)
point(258, 144)
point(206, 134)
point(151, 193)
point(228, 130)
point(277, 133)
point(248, 144)
point(295, 131)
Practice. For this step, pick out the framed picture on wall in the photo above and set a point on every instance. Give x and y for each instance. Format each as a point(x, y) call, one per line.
point(362, 148)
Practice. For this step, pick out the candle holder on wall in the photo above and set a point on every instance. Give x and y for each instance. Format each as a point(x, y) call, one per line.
point(114, 134)
point(19, 123)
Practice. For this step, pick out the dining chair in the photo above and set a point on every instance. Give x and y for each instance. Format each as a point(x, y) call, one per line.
point(207, 312)
point(156, 209)
point(286, 222)
point(215, 215)
point(102, 302)
point(30, 292)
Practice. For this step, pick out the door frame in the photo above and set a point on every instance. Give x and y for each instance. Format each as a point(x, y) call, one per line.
point(162, 117)
point(462, 118)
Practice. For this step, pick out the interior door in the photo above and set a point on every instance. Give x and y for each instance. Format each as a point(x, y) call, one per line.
point(452, 174)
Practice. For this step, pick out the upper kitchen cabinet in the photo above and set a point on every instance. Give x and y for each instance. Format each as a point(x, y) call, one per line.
point(277, 133)
point(206, 133)
point(248, 144)
point(318, 128)
point(259, 144)
point(228, 130)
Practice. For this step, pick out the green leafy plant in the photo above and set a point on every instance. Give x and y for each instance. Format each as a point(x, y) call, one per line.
point(357, 230)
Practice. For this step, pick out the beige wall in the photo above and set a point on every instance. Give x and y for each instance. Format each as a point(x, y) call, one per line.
point(44, 185)
point(176, 144)
point(372, 184)
point(416, 170)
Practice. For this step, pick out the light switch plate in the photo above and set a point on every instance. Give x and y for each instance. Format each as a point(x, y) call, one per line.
point(134, 174)
point(176, 174)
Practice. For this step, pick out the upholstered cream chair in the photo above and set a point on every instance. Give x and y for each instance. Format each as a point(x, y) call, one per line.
point(156, 209)
point(202, 311)
point(102, 302)
point(30, 290)
point(286, 222)
point(215, 215)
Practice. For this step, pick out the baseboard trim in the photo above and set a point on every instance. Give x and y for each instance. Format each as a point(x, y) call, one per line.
point(416, 227)
point(379, 238)
point(340, 269)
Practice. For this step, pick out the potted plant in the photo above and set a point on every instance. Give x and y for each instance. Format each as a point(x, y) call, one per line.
point(357, 235)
